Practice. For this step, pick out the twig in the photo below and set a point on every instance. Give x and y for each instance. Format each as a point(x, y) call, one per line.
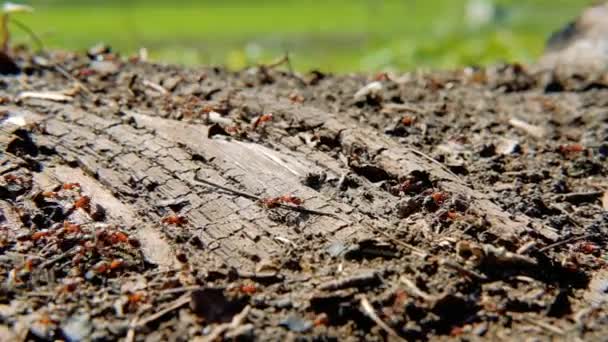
point(434, 161)
point(369, 311)
point(341, 183)
point(40, 294)
point(396, 107)
point(579, 197)
point(415, 250)
point(179, 289)
point(289, 66)
point(227, 189)
point(567, 214)
point(257, 198)
point(279, 62)
point(462, 270)
point(286, 59)
point(415, 290)
point(131, 332)
point(566, 241)
point(543, 325)
point(30, 32)
point(219, 330)
point(69, 76)
point(178, 303)
point(59, 257)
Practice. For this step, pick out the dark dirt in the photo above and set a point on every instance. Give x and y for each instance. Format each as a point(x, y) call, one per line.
point(151, 202)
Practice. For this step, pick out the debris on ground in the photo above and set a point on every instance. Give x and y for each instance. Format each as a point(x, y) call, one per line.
point(164, 203)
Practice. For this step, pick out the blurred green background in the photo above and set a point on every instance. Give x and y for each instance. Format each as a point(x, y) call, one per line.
point(329, 35)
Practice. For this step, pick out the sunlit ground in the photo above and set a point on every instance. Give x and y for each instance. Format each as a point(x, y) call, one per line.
point(331, 35)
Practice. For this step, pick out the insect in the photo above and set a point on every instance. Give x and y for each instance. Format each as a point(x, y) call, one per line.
point(405, 186)
point(291, 199)
point(116, 264)
point(69, 287)
point(46, 320)
point(439, 197)
point(117, 237)
point(85, 72)
point(452, 215)
point(112, 238)
point(382, 76)
point(296, 98)
point(270, 202)
point(49, 194)
point(71, 227)
point(262, 119)
point(40, 234)
point(274, 202)
point(175, 220)
point(136, 298)
point(248, 289)
point(588, 248)
point(83, 202)
point(101, 267)
point(29, 264)
point(571, 148)
point(70, 186)
point(321, 320)
point(408, 120)
point(232, 129)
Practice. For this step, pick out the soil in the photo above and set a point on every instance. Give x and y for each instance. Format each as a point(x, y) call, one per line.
point(152, 202)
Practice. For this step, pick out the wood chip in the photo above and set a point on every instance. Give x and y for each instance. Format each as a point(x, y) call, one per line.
point(361, 279)
point(45, 95)
point(156, 87)
point(373, 89)
point(605, 200)
point(580, 197)
point(532, 130)
point(392, 108)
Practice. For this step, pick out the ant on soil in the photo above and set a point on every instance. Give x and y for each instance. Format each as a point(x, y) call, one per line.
point(175, 220)
point(274, 202)
point(262, 119)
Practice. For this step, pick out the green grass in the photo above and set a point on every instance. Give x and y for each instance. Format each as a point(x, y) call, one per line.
point(331, 35)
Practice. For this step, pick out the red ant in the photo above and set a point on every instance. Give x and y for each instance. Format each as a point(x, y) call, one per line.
point(571, 148)
point(70, 186)
point(248, 289)
point(439, 197)
point(274, 202)
point(175, 220)
point(261, 119)
point(83, 202)
point(408, 120)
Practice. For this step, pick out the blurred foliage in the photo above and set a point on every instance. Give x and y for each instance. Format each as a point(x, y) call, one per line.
point(331, 35)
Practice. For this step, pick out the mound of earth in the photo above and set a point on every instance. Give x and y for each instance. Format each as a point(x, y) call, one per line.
point(153, 202)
